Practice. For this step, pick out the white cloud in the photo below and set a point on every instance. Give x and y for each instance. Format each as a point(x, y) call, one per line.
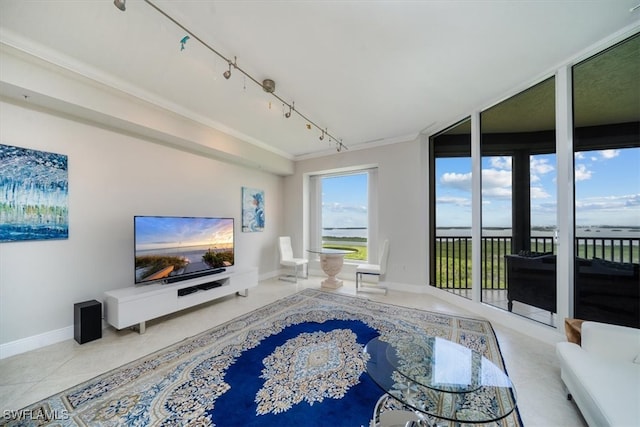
point(539, 193)
point(496, 183)
point(609, 154)
point(579, 155)
point(457, 201)
point(501, 193)
point(336, 207)
point(546, 207)
point(460, 181)
point(611, 210)
point(582, 173)
point(501, 162)
point(607, 203)
point(540, 166)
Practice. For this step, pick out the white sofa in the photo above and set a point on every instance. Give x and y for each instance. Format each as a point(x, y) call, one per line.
point(603, 374)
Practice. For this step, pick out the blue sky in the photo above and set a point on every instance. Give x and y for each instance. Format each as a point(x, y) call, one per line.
point(345, 201)
point(160, 232)
point(607, 189)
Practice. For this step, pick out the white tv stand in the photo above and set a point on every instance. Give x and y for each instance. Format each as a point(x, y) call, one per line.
point(133, 306)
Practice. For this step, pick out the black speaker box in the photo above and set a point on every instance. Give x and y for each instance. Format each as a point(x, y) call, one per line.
point(87, 321)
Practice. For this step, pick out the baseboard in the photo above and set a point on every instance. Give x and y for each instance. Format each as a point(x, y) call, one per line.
point(34, 342)
point(528, 327)
point(270, 275)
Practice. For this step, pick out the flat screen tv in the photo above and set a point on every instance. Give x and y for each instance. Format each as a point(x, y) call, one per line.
point(170, 249)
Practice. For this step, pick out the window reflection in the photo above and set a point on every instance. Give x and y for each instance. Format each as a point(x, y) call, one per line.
point(606, 93)
point(519, 199)
point(450, 206)
point(519, 203)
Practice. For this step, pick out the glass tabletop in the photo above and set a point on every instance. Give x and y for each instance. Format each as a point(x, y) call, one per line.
point(440, 378)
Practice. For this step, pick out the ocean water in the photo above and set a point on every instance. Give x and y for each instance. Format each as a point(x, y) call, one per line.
point(585, 232)
point(345, 232)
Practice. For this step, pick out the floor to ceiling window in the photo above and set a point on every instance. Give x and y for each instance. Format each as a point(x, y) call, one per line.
point(450, 227)
point(606, 100)
point(342, 211)
point(512, 202)
point(518, 203)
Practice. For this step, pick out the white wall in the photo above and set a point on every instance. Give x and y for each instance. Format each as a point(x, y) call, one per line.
point(112, 177)
point(401, 200)
point(403, 210)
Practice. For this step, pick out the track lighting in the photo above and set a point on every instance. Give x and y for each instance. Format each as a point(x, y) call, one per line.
point(227, 73)
point(267, 85)
point(120, 4)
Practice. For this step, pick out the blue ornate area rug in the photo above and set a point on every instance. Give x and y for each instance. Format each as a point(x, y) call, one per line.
point(296, 362)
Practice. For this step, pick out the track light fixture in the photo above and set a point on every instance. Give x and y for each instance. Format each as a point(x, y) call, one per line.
point(267, 85)
point(227, 73)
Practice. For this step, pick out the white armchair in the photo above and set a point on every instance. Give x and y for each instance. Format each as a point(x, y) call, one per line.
point(287, 260)
point(379, 269)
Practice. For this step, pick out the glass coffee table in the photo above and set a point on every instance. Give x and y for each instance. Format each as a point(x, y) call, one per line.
point(427, 379)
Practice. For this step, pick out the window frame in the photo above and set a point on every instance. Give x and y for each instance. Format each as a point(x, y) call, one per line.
point(315, 208)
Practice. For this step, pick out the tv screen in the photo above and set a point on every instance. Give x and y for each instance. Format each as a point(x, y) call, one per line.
point(174, 248)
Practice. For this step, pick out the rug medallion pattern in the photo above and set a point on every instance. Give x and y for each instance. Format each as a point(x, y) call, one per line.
point(297, 361)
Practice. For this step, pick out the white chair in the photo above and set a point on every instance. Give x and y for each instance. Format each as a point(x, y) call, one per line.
point(287, 259)
point(379, 269)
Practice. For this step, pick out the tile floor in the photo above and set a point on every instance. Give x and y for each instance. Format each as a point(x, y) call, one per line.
point(498, 298)
point(32, 376)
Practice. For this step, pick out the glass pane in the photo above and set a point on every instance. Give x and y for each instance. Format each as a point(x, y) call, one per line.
point(519, 203)
point(543, 202)
point(451, 210)
point(606, 91)
point(345, 213)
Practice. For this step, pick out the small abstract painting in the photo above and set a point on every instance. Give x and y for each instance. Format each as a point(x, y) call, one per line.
point(252, 210)
point(34, 190)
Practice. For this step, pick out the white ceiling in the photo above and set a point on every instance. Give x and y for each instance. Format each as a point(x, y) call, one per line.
point(368, 71)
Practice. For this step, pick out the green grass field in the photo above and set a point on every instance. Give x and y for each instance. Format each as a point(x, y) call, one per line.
point(454, 263)
point(360, 253)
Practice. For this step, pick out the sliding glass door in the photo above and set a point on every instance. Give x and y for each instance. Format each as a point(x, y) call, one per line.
point(519, 203)
point(450, 228)
point(606, 91)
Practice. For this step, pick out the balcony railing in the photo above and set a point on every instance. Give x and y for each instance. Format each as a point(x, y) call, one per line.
point(453, 257)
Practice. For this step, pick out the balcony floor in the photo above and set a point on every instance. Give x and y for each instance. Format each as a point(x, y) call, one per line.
point(498, 298)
